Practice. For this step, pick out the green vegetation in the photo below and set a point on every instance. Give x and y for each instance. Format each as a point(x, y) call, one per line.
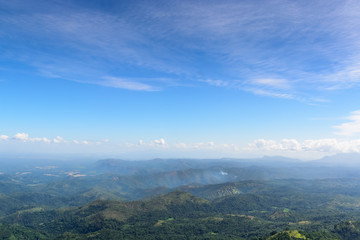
point(153, 205)
point(179, 215)
point(291, 234)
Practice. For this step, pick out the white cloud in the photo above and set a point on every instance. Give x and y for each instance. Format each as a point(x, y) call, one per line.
point(4, 137)
point(58, 139)
point(351, 128)
point(160, 142)
point(25, 138)
point(206, 146)
point(22, 136)
point(146, 144)
point(264, 144)
point(140, 142)
point(327, 145)
point(155, 144)
point(36, 139)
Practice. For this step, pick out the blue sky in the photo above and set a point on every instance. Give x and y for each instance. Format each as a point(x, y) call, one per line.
point(144, 79)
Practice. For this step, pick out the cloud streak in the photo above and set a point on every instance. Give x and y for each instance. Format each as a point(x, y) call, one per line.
point(25, 138)
point(258, 146)
point(129, 84)
point(273, 83)
point(327, 145)
point(351, 128)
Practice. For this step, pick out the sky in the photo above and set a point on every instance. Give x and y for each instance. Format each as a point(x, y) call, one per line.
point(200, 78)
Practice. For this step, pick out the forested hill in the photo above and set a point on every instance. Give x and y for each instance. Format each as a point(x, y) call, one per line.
point(180, 199)
point(180, 215)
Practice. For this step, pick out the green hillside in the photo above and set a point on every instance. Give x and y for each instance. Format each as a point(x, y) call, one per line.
point(187, 202)
point(180, 215)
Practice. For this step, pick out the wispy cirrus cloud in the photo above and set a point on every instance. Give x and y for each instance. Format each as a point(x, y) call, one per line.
point(94, 77)
point(270, 93)
point(86, 41)
point(264, 45)
point(345, 78)
point(127, 83)
point(303, 40)
point(272, 83)
point(269, 87)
